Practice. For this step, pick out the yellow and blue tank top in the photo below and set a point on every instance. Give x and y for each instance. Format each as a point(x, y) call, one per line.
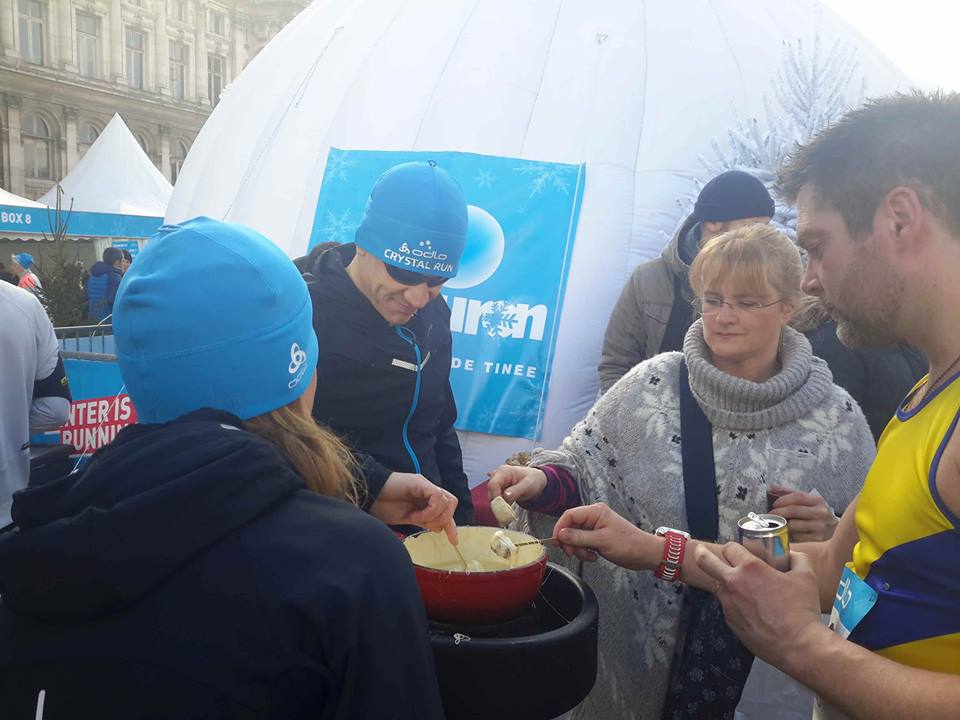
point(909, 545)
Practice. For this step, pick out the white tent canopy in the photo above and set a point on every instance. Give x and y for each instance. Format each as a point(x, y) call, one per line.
point(114, 176)
point(655, 98)
point(11, 200)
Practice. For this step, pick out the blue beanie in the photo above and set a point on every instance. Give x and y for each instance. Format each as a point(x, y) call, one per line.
point(416, 219)
point(213, 315)
point(24, 259)
point(733, 195)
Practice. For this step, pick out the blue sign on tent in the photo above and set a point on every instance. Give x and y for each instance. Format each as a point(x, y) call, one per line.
point(131, 246)
point(506, 299)
point(40, 220)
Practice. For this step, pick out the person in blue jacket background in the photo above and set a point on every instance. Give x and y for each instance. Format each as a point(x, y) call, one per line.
point(211, 561)
point(103, 283)
point(384, 367)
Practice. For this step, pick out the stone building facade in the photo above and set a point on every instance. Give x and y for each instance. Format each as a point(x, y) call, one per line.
point(66, 66)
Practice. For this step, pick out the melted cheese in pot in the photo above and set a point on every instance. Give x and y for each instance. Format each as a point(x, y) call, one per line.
point(433, 550)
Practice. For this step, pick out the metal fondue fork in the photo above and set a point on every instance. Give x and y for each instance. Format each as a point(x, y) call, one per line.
point(504, 551)
point(462, 558)
point(545, 541)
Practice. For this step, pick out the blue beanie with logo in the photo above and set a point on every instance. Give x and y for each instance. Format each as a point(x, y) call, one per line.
point(416, 219)
point(213, 315)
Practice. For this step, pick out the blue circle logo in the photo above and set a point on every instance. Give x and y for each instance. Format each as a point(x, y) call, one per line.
point(483, 252)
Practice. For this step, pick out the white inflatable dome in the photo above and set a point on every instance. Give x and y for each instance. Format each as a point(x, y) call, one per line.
point(654, 98)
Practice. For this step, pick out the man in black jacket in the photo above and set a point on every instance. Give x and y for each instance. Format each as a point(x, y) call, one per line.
point(384, 367)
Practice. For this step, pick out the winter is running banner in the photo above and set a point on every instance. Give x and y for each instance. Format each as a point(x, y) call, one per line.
point(99, 409)
point(506, 299)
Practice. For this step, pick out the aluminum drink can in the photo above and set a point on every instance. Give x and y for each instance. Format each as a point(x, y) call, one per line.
point(769, 540)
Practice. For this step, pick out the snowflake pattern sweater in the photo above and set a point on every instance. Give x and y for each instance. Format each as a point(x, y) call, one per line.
point(797, 428)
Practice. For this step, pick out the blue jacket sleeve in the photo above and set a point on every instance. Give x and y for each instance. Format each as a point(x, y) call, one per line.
point(113, 284)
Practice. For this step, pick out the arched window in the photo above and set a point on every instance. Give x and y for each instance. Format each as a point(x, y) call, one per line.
point(142, 140)
point(177, 157)
point(88, 134)
point(37, 147)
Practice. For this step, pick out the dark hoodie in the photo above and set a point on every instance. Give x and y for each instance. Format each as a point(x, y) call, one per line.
point(367, 383)
point(188, 574)
point(102, 290)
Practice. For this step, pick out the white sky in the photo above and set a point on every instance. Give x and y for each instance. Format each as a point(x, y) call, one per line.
point(920, 36)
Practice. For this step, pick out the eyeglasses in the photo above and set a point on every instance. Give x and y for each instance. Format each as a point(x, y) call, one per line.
point(408, 277)
point(711, 305)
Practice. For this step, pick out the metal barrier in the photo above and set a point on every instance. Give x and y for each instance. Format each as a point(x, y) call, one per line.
point(87, 342)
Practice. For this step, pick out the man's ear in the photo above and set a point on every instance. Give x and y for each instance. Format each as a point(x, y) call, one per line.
point(902, 212)
point(712, 228)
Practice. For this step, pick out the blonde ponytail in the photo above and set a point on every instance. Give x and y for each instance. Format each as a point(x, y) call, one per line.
point(322, 460)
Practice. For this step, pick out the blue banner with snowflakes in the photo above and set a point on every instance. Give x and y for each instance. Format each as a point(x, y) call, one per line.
point(506, 299)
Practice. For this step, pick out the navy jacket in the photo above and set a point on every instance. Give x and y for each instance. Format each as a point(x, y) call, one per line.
point(102, 290)
point(366, 382)
point(187, 574)
point(878, 378)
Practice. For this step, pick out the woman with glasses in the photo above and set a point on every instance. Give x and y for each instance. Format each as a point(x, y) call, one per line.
point(689, 443)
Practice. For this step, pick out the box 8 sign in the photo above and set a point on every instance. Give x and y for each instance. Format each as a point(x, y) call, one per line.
point(15, 218)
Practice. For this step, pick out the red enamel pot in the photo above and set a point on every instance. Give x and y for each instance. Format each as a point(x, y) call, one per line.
point(494, 594)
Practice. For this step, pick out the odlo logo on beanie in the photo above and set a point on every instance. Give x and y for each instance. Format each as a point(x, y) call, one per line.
point(417, 258)
point(297, 359)
point(424, 251)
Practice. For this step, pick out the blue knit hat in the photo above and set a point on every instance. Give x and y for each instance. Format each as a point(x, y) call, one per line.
point(213, 315)
point(416, 219)
point(733, 195)
point(24, 259)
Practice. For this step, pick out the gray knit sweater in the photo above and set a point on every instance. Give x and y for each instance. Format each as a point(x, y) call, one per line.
point(797, 428)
